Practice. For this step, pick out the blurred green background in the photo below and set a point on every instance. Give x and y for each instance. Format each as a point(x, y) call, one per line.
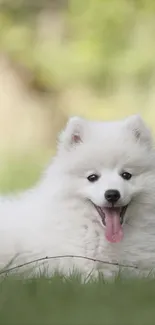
point(93, 58)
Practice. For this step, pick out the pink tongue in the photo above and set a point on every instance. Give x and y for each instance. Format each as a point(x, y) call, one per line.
point(113, 231)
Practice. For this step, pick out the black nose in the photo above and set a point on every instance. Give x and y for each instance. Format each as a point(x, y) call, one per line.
point(112, 196)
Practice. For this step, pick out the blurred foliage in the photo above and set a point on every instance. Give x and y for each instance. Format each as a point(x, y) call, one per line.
point(19, 172)
point(104, 42)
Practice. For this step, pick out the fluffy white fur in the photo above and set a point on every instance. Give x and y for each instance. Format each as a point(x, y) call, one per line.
point(57, 216)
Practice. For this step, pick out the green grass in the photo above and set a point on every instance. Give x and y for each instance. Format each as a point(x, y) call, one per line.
point(69, 302)
point(66, 301)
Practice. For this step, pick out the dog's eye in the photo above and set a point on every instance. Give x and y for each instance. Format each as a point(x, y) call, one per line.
point(126, 176)
point(93, 178)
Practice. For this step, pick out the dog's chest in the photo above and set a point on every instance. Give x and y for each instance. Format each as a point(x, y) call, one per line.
point(93, 239)
point(137, 248)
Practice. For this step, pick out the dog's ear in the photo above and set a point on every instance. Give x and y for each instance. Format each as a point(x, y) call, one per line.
point(73, 134)
point(139, 129)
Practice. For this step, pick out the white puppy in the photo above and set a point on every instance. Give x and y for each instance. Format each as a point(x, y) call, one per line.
point(96, 199)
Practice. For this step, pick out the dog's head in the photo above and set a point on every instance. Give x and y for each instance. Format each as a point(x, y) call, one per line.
point(110, 165)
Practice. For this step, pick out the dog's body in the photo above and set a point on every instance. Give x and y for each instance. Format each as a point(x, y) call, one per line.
point(60, 216)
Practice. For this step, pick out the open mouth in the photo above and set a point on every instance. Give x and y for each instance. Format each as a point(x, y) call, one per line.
point(112, 218)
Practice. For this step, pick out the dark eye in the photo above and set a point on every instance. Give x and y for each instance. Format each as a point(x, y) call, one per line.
point(93, 178)
point(126, 176)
